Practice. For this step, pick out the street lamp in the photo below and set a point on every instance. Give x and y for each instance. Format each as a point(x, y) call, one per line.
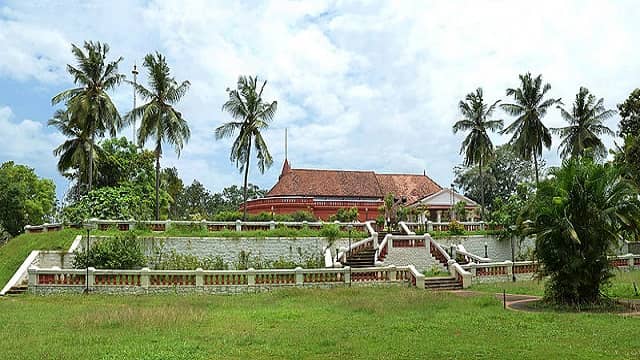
point(513, 255)
point(88, 226)
point(485, 250)
point(350, 227)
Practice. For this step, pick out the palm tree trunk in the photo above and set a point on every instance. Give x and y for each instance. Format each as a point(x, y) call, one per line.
point(246, 176)
point(158, 181)
point(481, 191)
point(535, 165)
point(90, 180)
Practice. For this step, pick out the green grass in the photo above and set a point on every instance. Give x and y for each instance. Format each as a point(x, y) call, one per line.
point(365, 323)
point(13, 253)
point(621, 286)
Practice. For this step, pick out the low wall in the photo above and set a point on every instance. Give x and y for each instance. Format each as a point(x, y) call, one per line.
point(145, 281)
point(497, 250)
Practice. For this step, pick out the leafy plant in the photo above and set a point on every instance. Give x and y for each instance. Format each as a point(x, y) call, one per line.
point(456, 228)
point(121, 252)
point(345, 215)
point(175, 261)
point(580, 216)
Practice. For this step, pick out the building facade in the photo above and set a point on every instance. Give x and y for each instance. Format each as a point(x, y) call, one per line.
point(324, 192)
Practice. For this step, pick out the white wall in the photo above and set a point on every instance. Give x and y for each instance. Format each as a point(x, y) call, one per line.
point(497, 250)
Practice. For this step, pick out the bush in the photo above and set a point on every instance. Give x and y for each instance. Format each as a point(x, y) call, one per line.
point(579, 217)
point(456, 228)
point(331, 232)
point(345, 215)
point(121, 252)
point(175, 261)
point(227, 216)
point(302, 215)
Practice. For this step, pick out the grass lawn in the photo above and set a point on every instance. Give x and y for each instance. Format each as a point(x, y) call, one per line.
point(13, 253)
point(621, 286)
point(357, 323)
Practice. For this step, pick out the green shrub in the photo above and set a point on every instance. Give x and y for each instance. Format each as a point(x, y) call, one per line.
point(456, 228)
point(121, 252)
point(302, 215)
point(345, 215)
point(175, 261)
point(227, 216)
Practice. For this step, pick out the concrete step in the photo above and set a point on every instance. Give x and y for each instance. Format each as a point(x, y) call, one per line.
point(17, 290)
point(442, 283)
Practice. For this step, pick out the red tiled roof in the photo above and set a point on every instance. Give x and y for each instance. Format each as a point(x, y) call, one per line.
point(351, 184)
point(414, 187)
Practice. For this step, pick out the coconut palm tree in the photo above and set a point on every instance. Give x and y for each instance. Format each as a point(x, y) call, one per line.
point(252, 115)
point(74, 152)
point(530, 135)
point(585, 126)
point(477, 146)
point(89, 102)
point(159, 120)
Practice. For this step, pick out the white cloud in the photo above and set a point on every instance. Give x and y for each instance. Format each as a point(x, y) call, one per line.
point(366, 85)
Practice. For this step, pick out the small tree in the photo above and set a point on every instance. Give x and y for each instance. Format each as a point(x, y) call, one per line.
point(580, 215)
point(460, 209)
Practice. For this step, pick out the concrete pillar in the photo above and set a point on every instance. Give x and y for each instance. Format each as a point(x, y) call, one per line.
point(144, 278)
point(509, 268)
point(92, 277)
point(238, 225)
point(44, 227)
point(392, 273)
point(630, 261)
point(299, 276)
point(439, 216)
point(33, 276)
point(203, 225)
point(272, 225)
point(167, 225)
point(429, 226)
point(199, 277)
point(251, 277)
point(347, 274)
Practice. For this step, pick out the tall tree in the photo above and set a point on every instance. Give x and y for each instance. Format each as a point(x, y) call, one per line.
point(89, 102)
point(530, 135)
point(585, 126)
point(630, 115)
point(24, 197)
point(477, 146)
point(160, 120)
point(252, 115)
point(74, 152)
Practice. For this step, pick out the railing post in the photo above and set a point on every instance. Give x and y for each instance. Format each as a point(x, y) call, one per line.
point(203, 225)
point(347, 274)
point(392, 273)
point(630, 261)
point(251, 277)
point(509, 268)
point(238, 225)
point(44, 227)
point(429, 226)
point(144, 278)
point(272, 225)
point(472, 269)
point(167, 225)
point(199, 277)
point(299, 276)
point(33, 275)
point(91, 281)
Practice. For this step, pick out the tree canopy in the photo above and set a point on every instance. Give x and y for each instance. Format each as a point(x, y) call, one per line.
point(24, 198)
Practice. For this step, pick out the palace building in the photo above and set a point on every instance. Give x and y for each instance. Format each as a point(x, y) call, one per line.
point(324, 192)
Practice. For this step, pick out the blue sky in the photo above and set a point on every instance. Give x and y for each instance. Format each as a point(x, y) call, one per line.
point(360, 85)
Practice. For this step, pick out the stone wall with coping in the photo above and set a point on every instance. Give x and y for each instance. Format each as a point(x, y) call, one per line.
point(61, 259)
point(416, 256)
point(184, 289)
point(497, 250)
point(267, 249)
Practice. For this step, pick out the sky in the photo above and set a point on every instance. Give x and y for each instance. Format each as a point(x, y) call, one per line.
point(360, 85)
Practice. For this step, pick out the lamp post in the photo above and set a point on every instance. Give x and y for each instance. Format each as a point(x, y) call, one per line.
point(513, 255)
point(485, 250)
point(88, 226)
point(350, 227)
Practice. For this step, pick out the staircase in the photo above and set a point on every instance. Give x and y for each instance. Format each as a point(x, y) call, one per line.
point(363, 258)
point(442, 283)
point(17, 290)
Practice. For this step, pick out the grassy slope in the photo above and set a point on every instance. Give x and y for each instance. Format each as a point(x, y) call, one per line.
point(13, 253)
point(621, 286)
point(391, 323)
